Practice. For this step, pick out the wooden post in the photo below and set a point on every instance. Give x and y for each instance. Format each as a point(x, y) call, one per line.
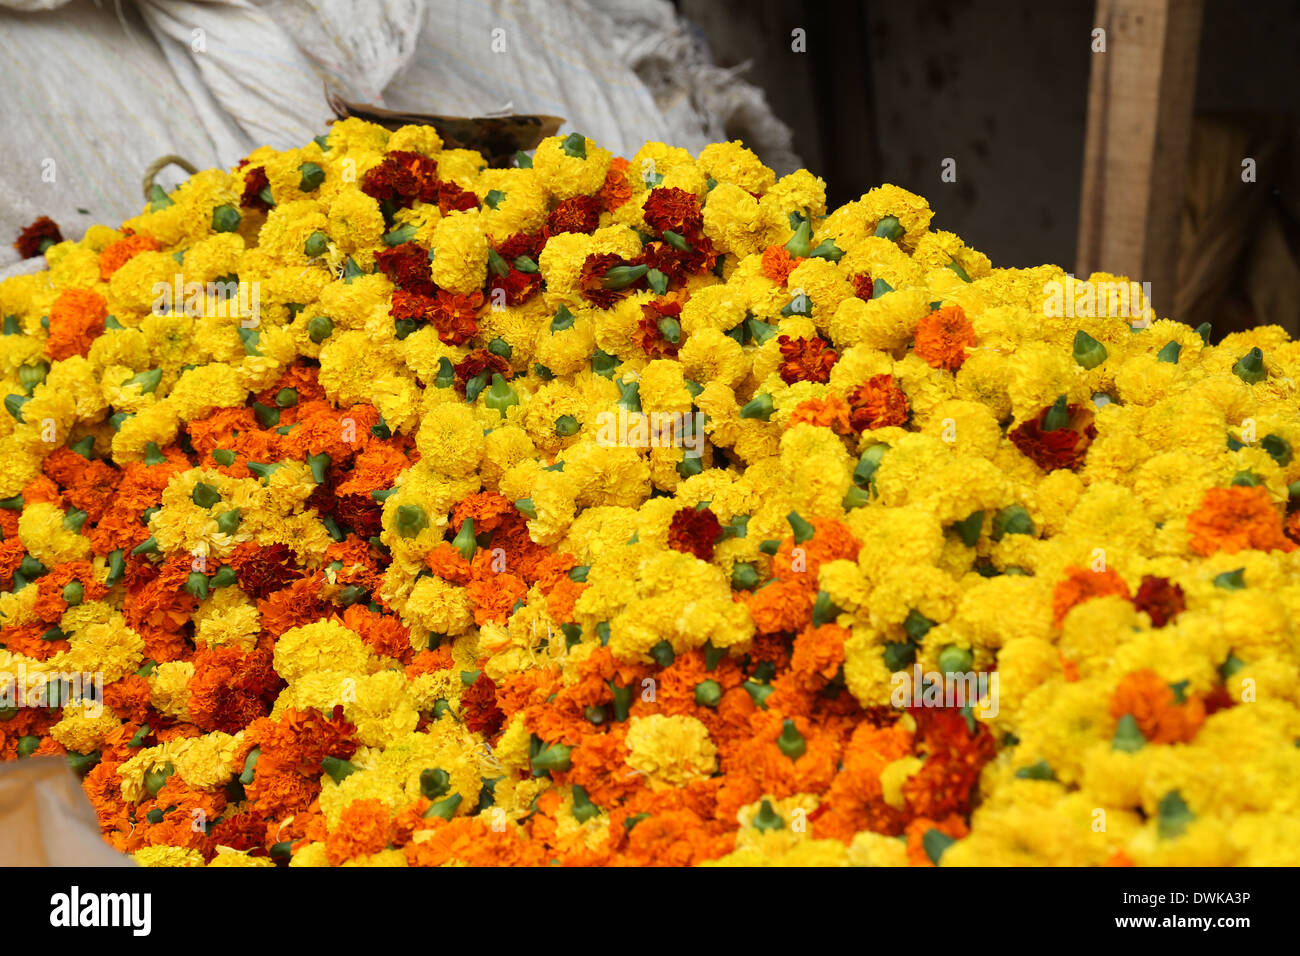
point(1140, 101)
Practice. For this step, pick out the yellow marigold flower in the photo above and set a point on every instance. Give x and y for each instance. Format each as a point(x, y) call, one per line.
point(670, 751)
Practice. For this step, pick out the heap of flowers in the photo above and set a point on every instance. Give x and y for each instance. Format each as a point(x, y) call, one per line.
point(369, 578)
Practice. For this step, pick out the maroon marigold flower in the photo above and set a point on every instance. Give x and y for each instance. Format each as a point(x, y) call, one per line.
point(576, 214)
point(402, 177)
point(37, 237)
point(479, 707)
point(479, 362)
point(516, 287)
point(1061, 447)
point(263, 569)
point(658, 316)
point(694, 531)
point(671, 209)
point(451, 198)
point(360, 512)
point(864, 286)
point(806, 360)
point(594, 280)
point(1161, 598)
point(407, 267)
point(254, 183)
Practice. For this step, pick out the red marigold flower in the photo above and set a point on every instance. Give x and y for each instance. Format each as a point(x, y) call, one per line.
point(263, 569)
point(451, 198)
point(864, 286)
point(593, 277)
point(479, 362)
point(694, 531)
point(360, 512)
point(576, 214)
point(778, 263)
point(676, 264)
point(479, 707)
point(522, 244)
point(651, 336)
point(806, 360)
point(455, 316)
point(1062, 447)
point(670, 208)
point(407, 267)
point(876, 403)
point(38, 236)
point(1161, 598)
point(401, 178)
point(515, 286)
point(254, 182)
point(942, 337)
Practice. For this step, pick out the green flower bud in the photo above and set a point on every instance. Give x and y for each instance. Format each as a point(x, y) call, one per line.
point(968, 529)
point(708, 693)
point(767, 818)
point(225, 218)
point(676, 240)
point(27, 745)
point(410, 520)
point(1250, 367)
point(73, 593)
point(197, 585)
point(1058, 416)
point(1169, 353)
point(319, 465)
point(205, 495)
point(760, 407)
point(434, 782)
point(1012, 520)
point(464, 541)
point(310, 177)
point(620, 277)
point(955, 660)
point(889, 228)
point(1128, 737)
point(75, 519)
point(552, 758)
point(791, 742)
point(802, 529)
point(1088, 352)
point(583, 808)
point(566, 425)
point(228, 521)
point(759, 692)
point(800, 244)
point(662, 654)
point(223, 456)
point(338, 768)
point(148, 546)
point(154, 779)
point(526, 508)
point(319, 328)
point(224, 577)
point(744, 576)
point(446, 809)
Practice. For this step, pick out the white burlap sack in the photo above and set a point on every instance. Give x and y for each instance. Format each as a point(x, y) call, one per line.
point(95, 91)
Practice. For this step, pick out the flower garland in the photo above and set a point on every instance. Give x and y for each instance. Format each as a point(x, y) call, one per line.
point(405, 511)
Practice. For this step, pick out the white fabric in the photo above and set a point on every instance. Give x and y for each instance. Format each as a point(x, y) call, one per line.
point(99, 90)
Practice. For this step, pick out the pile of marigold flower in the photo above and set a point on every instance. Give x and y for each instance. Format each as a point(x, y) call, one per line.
point(367, 582)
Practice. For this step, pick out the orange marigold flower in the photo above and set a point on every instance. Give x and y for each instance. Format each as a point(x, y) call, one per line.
point(446, 562)
point(877, 403)
point(782, 606)
point(1083, 584)
point(1165, 714)
point(76, 318)
point(487, 508)
point(942, 337)
point(1235, 519)
point(364, 828)
point(951, 825)
point(118, 254)
point(777, 263)
point(864, 286)
point(805, 360)
point(495, 596)
point(616, 189)
point(830, 412)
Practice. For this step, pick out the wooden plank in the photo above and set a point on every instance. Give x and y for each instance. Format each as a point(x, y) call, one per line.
point(1140, 98)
